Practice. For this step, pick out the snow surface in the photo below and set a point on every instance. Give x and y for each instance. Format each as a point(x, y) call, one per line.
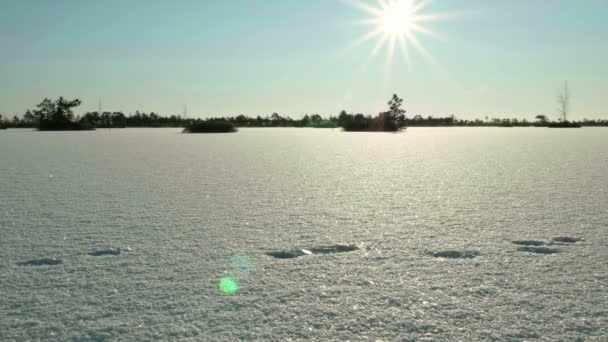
point(147, 222)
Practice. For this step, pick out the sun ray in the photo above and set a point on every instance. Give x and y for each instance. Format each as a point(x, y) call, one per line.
point(421, 5)
point(440, 16)
point(365, 7)
point(379, 45)
point(384, 4)
point(424, 52)
point(429, 32)
point(391, 50)
point(405, 51)
point(371, 21)
point(368, 36)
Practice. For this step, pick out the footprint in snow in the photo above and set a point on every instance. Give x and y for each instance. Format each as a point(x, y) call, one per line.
point(566, 239)
point(455, 254)
point(102, 252)
point(528, 242)
point(539, 250)
point(41, 262)
point(294, 253)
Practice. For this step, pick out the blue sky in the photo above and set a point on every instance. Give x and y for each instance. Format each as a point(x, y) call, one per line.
point(256, 57)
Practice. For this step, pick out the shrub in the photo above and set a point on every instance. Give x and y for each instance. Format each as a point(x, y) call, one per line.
point(50, 125)
point(323, 124)
point(211, 126)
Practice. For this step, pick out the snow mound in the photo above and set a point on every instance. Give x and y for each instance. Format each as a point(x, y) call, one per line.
point(528, 242)
point(539, 250)
point(294, 253)
point(102, 252)
point(455, 254)
point(41, 262)
point(567, 239)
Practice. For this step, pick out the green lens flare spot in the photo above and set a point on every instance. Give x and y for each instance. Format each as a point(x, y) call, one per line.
point(228, 285)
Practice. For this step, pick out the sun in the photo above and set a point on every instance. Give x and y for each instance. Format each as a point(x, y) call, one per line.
point(397, 23)
point(396, 18)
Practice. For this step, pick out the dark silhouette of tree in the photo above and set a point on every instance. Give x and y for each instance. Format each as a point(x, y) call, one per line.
point(106, 119)
point(343, 118)
point(241, 120)
point(275, 120)
point(58, 115)
point(45, 111)
point(119, 120)
point(395, 106)
point(541, 120)
point(29, 118)
point(213, 125)
point(92, 118)
point(306, 121)
point(64, 109)
point(58, 111)
point(389, 121)
point(316, 117)
point(395, 117)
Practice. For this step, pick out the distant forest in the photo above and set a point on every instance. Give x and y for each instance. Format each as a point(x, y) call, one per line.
point(140, 119)
point(49, 113)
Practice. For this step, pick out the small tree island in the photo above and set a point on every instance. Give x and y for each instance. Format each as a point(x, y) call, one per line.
point(391, 121)
point(58, 116)
point(210, 126)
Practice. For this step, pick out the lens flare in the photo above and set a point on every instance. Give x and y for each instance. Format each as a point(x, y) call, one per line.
point(228, 285)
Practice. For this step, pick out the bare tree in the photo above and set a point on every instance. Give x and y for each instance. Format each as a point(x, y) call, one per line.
point(563, 101)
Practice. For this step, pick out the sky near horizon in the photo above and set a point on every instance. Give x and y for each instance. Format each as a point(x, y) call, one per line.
point(255, 57)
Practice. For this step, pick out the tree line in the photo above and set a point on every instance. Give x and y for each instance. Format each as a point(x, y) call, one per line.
point(59, 115)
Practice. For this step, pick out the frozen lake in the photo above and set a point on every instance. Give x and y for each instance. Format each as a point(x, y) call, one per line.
point(433, 211)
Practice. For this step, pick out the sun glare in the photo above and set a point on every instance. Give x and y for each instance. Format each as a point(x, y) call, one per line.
point(397, 23)
point(396, 18)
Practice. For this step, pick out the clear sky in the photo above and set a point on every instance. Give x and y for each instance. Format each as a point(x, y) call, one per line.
point(255, 57)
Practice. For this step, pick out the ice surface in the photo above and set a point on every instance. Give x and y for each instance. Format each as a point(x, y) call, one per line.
point(197, 208)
